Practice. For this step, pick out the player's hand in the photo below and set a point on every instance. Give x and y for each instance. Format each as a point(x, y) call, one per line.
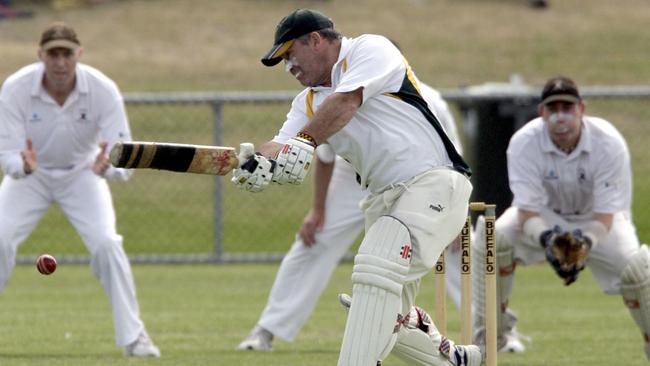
point(30, 161)
point(566, 252)
point(293, 161)
point(255, 172)
point(102, 161)
point(312, 224)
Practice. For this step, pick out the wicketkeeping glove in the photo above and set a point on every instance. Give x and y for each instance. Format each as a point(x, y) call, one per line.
point(566, 252)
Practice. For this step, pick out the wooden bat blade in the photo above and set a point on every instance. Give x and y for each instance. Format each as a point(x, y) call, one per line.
point(201, 159)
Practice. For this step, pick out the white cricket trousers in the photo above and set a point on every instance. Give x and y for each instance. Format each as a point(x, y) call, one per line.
point(433, 206)
point(305, 271)
point(86, 201)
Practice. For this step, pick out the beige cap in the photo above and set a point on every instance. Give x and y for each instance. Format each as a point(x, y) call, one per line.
point(59, 35)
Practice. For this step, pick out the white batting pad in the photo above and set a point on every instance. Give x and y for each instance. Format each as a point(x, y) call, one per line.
point(505, 279)
point(635, 288)
point(377, 277)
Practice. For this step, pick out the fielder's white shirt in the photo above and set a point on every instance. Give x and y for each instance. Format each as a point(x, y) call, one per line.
point(65, 137)
point(594, 177)
point(387, 141)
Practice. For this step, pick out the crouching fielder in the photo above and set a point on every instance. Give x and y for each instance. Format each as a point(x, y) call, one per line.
point(571, 179)
point(364, 100)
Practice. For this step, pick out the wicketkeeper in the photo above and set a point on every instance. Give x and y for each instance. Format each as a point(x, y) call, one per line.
point(571, 179)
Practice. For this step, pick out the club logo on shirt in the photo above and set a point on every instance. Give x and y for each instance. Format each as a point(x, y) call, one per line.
point(582, 175)
point(82, 115)
point(551, 175)
point(35, 118)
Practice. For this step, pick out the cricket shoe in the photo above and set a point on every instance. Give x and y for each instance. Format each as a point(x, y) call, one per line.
point(259, 339)
point(513, 339)
point(469, 355)
point(142, 347)
point(513, 342)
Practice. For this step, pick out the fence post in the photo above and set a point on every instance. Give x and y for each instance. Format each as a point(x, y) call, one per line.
point(217, 134)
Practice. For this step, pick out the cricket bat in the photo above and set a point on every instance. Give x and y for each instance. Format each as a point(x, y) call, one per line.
point(186, 158)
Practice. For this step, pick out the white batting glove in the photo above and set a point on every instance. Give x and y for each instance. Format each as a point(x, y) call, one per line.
point(293, 161)
point(254, 172)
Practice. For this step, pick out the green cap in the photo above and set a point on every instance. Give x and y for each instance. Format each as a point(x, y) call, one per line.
point(294, 25)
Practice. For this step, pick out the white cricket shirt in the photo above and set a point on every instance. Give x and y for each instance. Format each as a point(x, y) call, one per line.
point(438, 106)
point(65, 137)
point(595, 177)
point(388, 141)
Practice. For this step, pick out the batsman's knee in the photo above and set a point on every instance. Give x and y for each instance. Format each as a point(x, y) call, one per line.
point(384, 255)
point(378, 277)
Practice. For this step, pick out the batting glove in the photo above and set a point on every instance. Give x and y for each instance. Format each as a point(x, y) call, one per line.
point(255, 171)
point(293, 161)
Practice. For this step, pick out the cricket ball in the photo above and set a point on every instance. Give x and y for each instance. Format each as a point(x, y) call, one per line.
point(46, 264)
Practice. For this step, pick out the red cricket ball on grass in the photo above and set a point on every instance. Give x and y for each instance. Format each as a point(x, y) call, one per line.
point(46, 264)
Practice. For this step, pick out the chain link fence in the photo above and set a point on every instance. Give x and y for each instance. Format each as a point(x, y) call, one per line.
point(168, 217)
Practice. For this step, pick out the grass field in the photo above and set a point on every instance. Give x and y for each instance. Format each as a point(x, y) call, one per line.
point(198, 314)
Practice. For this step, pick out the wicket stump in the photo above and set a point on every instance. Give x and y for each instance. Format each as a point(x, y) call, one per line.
point(440, 312)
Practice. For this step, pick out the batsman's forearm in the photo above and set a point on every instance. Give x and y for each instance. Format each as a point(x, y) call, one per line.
point(333, 114)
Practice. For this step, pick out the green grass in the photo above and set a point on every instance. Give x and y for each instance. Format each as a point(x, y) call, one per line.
point(198, 314)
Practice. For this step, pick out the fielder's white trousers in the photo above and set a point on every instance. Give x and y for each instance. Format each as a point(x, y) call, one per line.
point(305, 271)
point(86, 201)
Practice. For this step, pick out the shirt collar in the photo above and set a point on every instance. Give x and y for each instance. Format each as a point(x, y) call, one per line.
point(37, 84)
point(343, 52)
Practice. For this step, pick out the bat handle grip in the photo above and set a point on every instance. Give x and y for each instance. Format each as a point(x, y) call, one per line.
point(246, 150)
